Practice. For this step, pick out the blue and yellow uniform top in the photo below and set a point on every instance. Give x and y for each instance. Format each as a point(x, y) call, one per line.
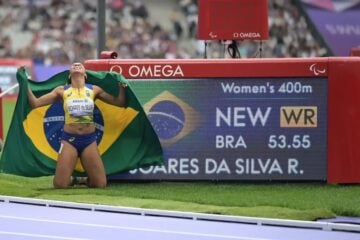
point(79, 104)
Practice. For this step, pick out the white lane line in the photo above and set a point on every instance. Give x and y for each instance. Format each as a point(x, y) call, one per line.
point(133, 228)
point(40, 236)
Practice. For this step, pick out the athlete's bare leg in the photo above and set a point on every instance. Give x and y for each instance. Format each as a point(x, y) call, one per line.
point(93, 165)
point(65, 165)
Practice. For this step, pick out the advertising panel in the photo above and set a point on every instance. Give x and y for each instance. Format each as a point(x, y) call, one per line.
point(338, 21)
point(237, 128)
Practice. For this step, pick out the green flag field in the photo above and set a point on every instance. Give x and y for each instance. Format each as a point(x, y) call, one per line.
point(298, 201)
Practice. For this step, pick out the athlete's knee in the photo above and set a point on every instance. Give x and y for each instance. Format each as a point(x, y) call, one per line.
point(60, 183)
point(100, 183)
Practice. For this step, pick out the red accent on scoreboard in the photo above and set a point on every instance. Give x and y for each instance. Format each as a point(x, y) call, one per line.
point(233, 20)
point(355, 52)
point(343, 120)
point(191, 68)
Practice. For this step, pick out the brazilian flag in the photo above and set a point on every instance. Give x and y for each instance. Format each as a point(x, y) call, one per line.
point(125, 137)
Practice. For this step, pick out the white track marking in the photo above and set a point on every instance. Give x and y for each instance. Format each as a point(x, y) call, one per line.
point(133, 228)
point(40, 236)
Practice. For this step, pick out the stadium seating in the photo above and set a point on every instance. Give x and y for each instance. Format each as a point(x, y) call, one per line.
point(62, 31)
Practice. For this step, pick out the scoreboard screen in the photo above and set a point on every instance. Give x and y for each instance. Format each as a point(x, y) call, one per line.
point(237, 128)
point(233, 20)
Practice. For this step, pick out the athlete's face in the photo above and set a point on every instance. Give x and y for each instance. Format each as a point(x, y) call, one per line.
point(77, 68)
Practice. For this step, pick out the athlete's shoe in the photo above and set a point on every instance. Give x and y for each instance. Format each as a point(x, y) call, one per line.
point(79, 181)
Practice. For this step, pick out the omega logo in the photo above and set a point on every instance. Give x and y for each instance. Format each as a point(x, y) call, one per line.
point(116, 68)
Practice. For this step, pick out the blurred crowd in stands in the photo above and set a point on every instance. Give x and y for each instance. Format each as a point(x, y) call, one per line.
point(64, 31)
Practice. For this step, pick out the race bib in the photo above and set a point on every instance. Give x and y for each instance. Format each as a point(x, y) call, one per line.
point(80, 107)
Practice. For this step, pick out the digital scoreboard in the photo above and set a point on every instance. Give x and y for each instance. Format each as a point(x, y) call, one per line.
point(248, 119)
point(237, 128)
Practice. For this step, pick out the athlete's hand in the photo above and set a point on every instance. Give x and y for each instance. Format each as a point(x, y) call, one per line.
point(21, 74)
point(21, 68)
